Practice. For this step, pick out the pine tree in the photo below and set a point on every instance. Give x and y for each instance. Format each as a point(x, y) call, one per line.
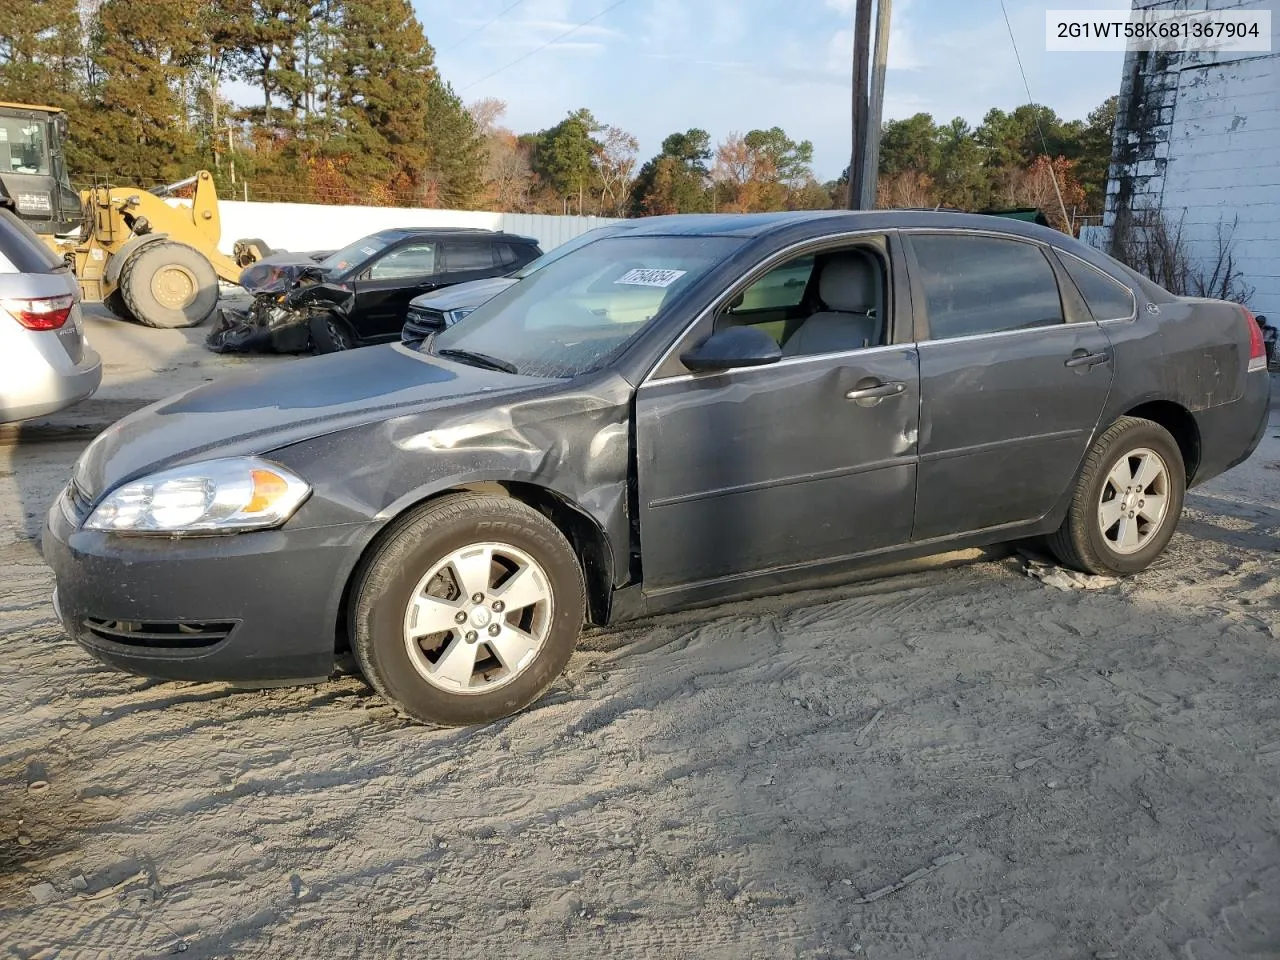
point(382, 76)
point(40, 51)
point(146, 49)
point(456, 150)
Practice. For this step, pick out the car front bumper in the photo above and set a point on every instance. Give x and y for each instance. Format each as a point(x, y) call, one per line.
point(257, 607)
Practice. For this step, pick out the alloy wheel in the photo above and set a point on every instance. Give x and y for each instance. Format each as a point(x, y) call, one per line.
point(479, 618)
point(1134, 501)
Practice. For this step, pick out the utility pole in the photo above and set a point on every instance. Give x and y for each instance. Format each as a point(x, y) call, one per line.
point(875, 121)
point(861, 56)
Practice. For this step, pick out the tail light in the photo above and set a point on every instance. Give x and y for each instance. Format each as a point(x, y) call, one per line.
point(1257, 349)
point(43, 313)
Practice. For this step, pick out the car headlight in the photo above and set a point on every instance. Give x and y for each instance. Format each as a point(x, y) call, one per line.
point(460, 314)
point(217, 496)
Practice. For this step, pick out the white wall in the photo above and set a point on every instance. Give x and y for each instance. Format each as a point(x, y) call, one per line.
point(1206, 150)
point(308, 226)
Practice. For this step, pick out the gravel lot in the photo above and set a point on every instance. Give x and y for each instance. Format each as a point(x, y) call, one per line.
point(959, 761)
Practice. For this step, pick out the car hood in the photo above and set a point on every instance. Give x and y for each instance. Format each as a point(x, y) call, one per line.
point(283, 404)
point(281, 272)
point(469, 294)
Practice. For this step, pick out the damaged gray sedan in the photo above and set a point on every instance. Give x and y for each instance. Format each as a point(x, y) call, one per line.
point(701, 408)
point(360, 294)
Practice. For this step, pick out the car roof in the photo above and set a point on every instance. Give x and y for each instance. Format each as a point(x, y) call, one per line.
point(400, 233)
point(755, 225)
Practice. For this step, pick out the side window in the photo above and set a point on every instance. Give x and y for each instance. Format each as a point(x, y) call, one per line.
point(780, 289)
point(975, 285)
point(1108, 299)
point(468, 256)
point(507, 254)
point(831, 302)
point(413, 260)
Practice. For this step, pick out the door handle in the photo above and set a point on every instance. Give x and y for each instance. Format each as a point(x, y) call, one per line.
point(1082, 359)
point(876, 391)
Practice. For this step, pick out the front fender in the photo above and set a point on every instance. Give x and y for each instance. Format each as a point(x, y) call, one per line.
point(568, 449)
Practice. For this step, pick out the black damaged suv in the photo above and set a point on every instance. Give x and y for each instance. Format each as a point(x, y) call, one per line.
point(360, 294)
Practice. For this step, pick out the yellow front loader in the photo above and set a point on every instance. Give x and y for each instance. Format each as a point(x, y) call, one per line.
point(154, 261)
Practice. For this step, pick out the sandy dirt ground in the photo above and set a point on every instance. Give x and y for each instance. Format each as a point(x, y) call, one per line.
point(959, 761)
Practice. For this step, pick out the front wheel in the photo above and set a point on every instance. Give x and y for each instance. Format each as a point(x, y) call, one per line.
point(1127, 501)
point(167, 284)
point(468, 611)
point(330, 335)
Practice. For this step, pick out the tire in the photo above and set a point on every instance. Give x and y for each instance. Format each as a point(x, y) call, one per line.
point(169, 285)
point(459, 676)
point(1143, 529)
point(330, 335)
point(115, 303)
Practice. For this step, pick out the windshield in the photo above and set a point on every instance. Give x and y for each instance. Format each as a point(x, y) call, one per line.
point(551, 256)
point(352, 255)
point(576, 313)
point(22, 146)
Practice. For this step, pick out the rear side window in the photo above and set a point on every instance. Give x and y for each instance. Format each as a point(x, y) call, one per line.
point(21, 251)
point(976, 285)
point(468, 256)
point(1108, 299)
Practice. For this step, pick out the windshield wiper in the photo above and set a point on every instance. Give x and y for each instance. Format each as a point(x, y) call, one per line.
point(477, 359)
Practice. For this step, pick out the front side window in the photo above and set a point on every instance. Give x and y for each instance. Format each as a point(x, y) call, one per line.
point(577, 312)
point(780, 288)
point(22, 146)
point(1108, 299)
point(413, 260)
point(976, 285)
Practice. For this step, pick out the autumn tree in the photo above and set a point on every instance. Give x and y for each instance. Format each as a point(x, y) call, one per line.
point(615, 169)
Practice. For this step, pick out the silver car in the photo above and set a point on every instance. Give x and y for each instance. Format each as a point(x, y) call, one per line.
point(45, 362)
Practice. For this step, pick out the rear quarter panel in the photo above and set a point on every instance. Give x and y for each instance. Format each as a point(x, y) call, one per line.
point(1194, 353)
point(1191, 352)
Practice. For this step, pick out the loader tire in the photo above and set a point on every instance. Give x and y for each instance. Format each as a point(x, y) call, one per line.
point(115, 303)
point(168, 284)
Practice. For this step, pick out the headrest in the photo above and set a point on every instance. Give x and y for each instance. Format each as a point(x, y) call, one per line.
point(848, 283)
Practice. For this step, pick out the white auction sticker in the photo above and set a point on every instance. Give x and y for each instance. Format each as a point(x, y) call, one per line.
point(650, 277)
point(1211, 31)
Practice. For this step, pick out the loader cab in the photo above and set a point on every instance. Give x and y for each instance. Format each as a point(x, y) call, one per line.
point(33, 169)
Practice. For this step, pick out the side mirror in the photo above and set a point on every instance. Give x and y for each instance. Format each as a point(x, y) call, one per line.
point(733, 347)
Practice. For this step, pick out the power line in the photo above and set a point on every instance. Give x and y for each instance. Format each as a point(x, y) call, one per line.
point(1044, 142)
point(521, 59)
point(484, 26)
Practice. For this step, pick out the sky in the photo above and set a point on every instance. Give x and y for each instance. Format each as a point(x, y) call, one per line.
point(654, 67)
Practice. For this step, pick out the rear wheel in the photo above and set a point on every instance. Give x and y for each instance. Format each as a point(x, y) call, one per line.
point(1127, 501)
point(468, 611)
point(115, 303)
point(168, 284)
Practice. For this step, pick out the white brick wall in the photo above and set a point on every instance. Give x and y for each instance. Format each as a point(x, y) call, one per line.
point(1214, 121)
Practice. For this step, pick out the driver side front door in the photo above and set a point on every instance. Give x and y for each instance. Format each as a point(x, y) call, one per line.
point(384, 290)
point(777, 469)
